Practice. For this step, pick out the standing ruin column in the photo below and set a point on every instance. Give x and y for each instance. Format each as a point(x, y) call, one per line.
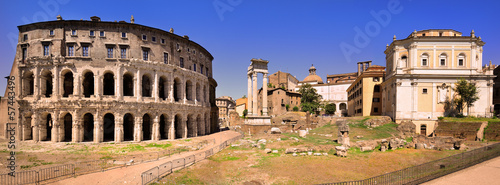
point(55, 127)
point(156, 128)
point(119, 86)
point(34, 125)
point(249, 93)
point(138, 79)
point(171, 128)
point(119, 128)
point(37, 84)
point(155, 88)
point(264, 95)
point(254, 89)
point(184, 127)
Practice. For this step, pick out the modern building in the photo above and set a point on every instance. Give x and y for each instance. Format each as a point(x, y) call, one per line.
point(422, 70)
point(278, 99)
point(224, 103)
point(334, 91)
point(95, 81)
point(364, 94)
point(283, 80)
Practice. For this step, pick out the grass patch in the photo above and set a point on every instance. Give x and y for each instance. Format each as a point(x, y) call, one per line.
point(106, 157)
point(224, 158)
point(188, 178)
point(469, 119)
point(187, 140)
point(154, 145)
point(29, 166)
point(133, 148)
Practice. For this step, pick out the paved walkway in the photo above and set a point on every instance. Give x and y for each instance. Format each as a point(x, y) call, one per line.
point(487, 173)
point(132, 174)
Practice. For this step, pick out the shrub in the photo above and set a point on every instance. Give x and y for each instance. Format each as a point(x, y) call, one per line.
point(295, 108)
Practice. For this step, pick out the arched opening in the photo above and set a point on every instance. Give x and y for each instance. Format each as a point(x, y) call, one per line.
point(29, 83)
point(88, 84)
point(88, 127)
point(404, 61)
point(179, 131)
point(67, 84)
point(108, 84)
point(200, 126)
point(207, 124)
point(146, 127)
point(109, 127)
point(162, 88)
point(443, 59)
point(190, 126)
point(128, 127)
point(461, 60)
point(46, 83)
point(198, 93)
point(68, 127)
point(177, 89)
point(128, 85)
point(146, 86)
point(189, 90)
point(28, 129)
point(48, 128)
point(342, 106)
point(423, 130)
point(163, 127)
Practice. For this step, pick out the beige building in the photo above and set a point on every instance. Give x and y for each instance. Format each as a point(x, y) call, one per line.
point(364, 94)
point(225, 104)
point(278, 99)
point(422, 70)
point(95, 81)
point(334, 91)
point(241, 105)
point(283, 80)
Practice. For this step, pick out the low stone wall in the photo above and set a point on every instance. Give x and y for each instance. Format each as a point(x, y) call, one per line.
point(492, 132)
point(461, 130)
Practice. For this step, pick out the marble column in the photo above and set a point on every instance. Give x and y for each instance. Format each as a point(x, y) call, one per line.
point(264, 95)
point(254, 89)
point(249, 93)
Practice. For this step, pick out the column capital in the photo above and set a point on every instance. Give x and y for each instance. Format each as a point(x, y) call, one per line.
point(254, 74)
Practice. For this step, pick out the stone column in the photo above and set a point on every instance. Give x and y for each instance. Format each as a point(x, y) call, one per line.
point(155, 88)
point(119, 84)
point(55, 127)
point(249, 93)
point(98, 128)
point(184, 127)
point(202, 124)
point(77, 85)
point(37, 84)
point(156, 129)
point(264, 95)
point(255, 95)
point(138, 128)
point(118, 128)
point(75, 125)
point(97, 86)
point(171, 97)
point(183, 90)
point(55, 83)
point(138, 80)
point(35, 126)
point(171, 128)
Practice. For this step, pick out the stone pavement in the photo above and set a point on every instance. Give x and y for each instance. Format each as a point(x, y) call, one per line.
point(132, 174)
point(485, 173)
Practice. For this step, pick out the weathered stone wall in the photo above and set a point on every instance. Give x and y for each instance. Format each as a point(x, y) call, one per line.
point(492, 132)
point(462, 130)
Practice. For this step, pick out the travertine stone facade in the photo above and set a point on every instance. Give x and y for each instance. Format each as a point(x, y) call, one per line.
point(422, 70)
point(224, 103)
point(111, 81)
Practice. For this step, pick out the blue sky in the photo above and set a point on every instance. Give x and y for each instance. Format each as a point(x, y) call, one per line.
point(291, 34)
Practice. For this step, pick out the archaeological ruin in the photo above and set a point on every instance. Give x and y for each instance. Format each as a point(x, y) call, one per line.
point(98, 81)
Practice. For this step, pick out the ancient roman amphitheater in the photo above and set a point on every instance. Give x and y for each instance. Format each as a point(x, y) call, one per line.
point(97, 81)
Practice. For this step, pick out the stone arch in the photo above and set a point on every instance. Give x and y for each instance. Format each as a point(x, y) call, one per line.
point(179, 130)
point(88, 83)
point(28, 83)
point(461, 59)
point(404, 61)
point(27, 126)
point(67, 120)
point(164, 126)
point(46, 83)
point(162, 88)
point(108, 83)
point(46, 127)
point(191, 131)
point(146, 85)
point(128, 84)
point(109, 127)
point(342, 106)
point(147, 127)
point(200, 126)
point(67, 89)
point(177, 89)
point(207, 124)
point(88, 127)
point(423, 129)
point(128, 127)
point(189, 90)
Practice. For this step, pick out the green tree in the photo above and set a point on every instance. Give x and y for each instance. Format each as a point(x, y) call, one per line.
point(269, 85)
point(287, 107)
point(310, 98)
point(245, 112)
point(330, 108)
point(467, 94)
point(244, 96)
point(295, 109)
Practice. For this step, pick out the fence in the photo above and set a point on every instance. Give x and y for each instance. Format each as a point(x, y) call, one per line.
point(168, 167)
point(431, 170)
point(83, 167)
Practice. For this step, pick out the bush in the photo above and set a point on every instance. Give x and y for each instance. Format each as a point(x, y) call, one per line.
point(440, 118)
point(287, 107)
point(295, 108)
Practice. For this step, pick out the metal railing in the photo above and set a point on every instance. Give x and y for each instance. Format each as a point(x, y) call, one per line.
point(431, 170)
point(166, 168)
point(84, 167)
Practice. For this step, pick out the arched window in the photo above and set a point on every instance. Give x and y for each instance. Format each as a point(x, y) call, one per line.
point(128, 85)
point(109, 127)
point(68, 127)
point(425, 59)
point(189, 90)
point(404, 61)
point(177, 89)
point(443, 59)
point(461, 60)
point(178, 126)
point(67, 84)
point(88, 84)
point(146, 127)
point(88, 127)
point(46, 83)
point(108, 84)
point(128, 127)
point(29, 83)
point(162, 88)
point(146, 86)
